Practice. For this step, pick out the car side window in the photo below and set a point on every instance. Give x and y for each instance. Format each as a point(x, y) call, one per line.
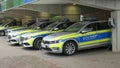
point(91, 27)
point(103, 25)
point(43, 25)
point(63, 26)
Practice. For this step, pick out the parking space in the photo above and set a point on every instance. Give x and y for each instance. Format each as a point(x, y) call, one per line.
point(14, 56)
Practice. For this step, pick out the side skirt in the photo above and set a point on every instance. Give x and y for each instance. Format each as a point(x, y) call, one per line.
point(94, 46)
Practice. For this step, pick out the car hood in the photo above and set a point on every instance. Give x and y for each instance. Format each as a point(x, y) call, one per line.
point(1, 28)
point(59, 36)
point(22, 28)
point(35, 33)
point(13, 26)
point(12, 29)
point(21, 32)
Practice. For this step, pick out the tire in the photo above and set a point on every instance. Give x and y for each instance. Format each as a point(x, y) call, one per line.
point(69, 48)
point(37, 44)
point(109, 47)
point(2, 33)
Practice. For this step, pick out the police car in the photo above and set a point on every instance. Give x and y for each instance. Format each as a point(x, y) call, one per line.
point(81, 35)
point(4, 27)
point(13, 37)
point(34, 39)
point(25, 26)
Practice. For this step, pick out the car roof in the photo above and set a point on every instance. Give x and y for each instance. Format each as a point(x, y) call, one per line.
point(89, 22)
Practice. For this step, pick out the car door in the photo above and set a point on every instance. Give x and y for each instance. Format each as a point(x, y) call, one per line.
point(89, 34)
point(103, 32)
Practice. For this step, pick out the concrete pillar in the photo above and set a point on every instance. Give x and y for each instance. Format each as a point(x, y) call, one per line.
point(72, 12)
point(43, 15)
point(116, 31)
point(26, 19)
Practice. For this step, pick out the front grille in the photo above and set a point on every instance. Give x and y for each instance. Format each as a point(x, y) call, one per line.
point(13, 40)
point(9, 37)
point(21, 39)
point(27, 44)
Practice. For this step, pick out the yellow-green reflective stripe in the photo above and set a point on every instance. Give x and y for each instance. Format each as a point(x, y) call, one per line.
point(73, 35)
point(56, 45)
point(30, 41)
point(95, 41)
point(66, 36)
point(94, 32)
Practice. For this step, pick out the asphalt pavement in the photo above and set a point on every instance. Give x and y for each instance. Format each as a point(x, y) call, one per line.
point(15, 56)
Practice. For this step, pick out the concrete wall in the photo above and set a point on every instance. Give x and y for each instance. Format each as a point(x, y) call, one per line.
point(50, 8)
point(103, 4)
point(74, 11)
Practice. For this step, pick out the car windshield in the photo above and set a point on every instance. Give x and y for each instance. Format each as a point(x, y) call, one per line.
point(3, 24)
point(41, 26)
point(49, 27)
point(75, 27)
point(32, 26)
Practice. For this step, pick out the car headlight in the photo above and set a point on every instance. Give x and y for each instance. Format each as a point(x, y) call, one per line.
point(53, 42)
point(27, 38)
point(9, 31)
point(14, 35)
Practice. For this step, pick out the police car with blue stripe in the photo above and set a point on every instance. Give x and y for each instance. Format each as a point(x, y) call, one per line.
point(81, 35)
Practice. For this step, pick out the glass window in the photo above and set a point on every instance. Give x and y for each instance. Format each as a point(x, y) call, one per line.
point(49, 27)
point(103, 25)
point(64, 25)
point(75, 27)
point(43, 25)
point(91, 27)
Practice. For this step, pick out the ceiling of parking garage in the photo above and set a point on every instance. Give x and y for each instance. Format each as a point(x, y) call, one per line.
point(18, 13)
point(44, 6)
point(51, 2)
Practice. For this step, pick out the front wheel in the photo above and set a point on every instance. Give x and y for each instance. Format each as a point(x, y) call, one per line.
point(37, 44)
point(69, 48)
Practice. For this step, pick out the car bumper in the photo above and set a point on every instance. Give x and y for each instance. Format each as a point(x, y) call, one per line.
point(13, 41)
point(7, 32)
point(54, 48)
point(8, 38)
point(28, 43)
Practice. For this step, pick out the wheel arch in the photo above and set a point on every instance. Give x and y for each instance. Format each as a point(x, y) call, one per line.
point(34, 42)
point(73, 41)
point(37, 38)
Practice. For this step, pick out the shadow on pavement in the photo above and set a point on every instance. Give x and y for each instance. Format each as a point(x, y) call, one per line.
point(15, 45)
point(82, 52)
point(29, 49)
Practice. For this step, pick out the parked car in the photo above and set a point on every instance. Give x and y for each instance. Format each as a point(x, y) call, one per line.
point(81, 35)
point(23, 27)
point(13, 37)
point(34, 39)
point(10, 25)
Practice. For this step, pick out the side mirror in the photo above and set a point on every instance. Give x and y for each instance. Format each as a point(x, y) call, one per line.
point(86, 30)
point(55, 29)
point(83, 32)
point(38, 28)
